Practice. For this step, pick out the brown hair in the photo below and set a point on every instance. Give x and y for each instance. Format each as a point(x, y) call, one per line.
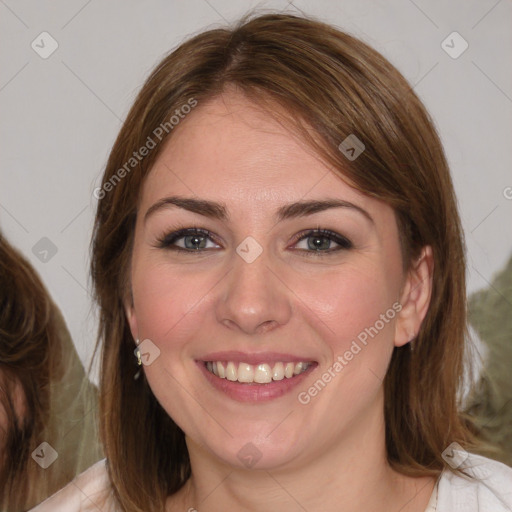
point(29, 357)
point(335, 85)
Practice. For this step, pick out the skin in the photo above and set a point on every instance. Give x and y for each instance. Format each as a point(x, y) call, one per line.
point(314, 456)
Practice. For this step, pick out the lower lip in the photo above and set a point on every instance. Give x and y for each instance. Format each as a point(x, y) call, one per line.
point(254, 392)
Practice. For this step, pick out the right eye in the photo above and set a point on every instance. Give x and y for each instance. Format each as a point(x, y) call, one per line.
point(191, 240)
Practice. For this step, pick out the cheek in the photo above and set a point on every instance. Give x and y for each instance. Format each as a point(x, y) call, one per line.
point(352, 304)
point(166, 303)
point(167, 310)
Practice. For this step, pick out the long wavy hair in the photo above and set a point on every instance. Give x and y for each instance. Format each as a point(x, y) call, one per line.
point(331, 85)
point(30, 354)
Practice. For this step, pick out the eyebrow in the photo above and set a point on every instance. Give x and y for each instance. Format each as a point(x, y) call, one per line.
point(218, 211)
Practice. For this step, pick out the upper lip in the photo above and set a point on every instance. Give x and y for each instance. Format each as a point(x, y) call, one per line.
point(254, 357)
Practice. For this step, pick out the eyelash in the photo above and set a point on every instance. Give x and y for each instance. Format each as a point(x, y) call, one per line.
point(167, 241)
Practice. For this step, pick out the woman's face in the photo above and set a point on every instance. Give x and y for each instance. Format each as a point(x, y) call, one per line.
point(250, 291)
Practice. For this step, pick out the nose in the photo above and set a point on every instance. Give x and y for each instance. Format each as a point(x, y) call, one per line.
point(253, 299)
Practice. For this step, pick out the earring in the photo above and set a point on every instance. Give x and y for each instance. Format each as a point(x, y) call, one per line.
point(139, 361)
point(412, 341)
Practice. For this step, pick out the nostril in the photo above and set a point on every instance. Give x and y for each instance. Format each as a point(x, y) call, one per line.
point(266, 326)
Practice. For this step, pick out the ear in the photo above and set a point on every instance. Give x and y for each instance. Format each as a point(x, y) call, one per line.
point(131, 316)
point(415, 298)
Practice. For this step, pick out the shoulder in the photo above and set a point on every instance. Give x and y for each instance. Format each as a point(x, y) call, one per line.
point(89, 491)
point(489, 491)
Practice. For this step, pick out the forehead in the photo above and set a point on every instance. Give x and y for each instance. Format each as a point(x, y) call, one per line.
point(234, 150)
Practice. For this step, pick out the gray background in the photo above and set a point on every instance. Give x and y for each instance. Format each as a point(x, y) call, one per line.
point(60, 115)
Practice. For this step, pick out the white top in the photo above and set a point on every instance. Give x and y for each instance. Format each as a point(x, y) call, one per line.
point(492, 492)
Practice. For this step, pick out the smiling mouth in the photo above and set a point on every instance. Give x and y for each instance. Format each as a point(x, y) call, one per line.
point(262, 373)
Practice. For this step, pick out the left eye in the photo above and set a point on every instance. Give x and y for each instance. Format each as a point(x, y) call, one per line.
point(319, 241)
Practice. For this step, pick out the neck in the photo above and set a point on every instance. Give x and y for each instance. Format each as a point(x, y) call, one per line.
point(353, 476)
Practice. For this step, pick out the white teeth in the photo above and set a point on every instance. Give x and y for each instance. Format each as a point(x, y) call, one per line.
point(231, 373)
point(278, 371)
point(262, 373)
point(245, 373)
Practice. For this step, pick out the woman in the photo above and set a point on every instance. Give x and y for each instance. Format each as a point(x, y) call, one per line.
point(47, 404)
point(279, 263)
